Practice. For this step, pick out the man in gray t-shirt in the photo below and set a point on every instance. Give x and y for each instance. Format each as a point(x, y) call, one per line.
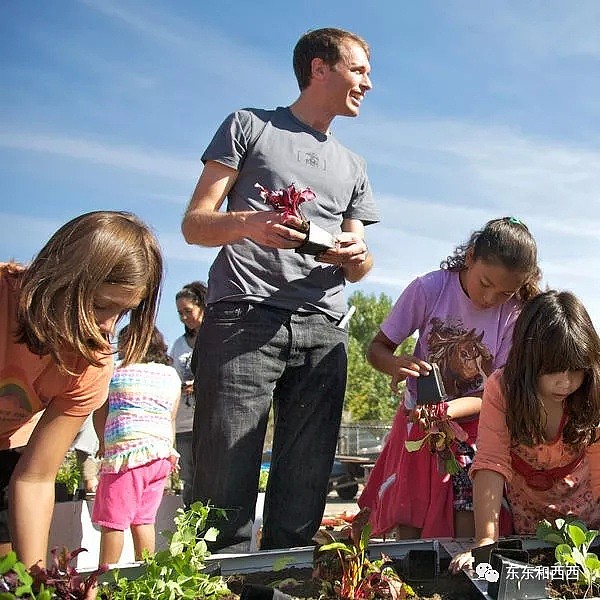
point(270, 331)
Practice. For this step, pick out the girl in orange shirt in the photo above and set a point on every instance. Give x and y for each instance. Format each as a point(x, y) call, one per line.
point(56, 318)
point(538, 423)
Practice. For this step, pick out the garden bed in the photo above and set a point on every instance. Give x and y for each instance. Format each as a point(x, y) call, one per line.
point(420, 563)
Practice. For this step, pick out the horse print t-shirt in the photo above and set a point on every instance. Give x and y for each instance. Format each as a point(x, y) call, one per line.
point(468, 343)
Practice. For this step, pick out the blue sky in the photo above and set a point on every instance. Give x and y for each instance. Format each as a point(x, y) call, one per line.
point(479, 110)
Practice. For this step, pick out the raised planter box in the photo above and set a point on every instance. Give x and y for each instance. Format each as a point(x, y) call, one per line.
point(303, 557)
point(72, 527)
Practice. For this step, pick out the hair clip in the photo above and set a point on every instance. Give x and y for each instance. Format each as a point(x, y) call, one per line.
point(514, 221)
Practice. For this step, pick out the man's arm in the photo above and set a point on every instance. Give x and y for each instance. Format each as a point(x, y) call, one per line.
point(205, 225)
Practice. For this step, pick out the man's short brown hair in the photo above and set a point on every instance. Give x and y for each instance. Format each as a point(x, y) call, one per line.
point(326, 44)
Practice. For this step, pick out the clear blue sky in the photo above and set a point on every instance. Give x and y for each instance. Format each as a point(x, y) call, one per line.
point(480, 109)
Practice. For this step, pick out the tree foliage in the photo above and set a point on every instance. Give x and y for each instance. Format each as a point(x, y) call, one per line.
point(368, 393)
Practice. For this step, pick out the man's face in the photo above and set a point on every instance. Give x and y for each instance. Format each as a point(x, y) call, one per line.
point(348, 81)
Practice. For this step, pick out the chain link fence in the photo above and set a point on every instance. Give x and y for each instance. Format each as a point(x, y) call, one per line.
point(362, 439)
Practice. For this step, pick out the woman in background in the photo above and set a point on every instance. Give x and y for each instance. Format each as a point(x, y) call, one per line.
point(191, 302)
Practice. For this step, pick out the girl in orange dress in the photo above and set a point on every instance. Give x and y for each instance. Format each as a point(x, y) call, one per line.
point(538, 423)
point(57, 316)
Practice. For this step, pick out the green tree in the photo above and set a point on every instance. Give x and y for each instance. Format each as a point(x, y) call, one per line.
point(368, 393)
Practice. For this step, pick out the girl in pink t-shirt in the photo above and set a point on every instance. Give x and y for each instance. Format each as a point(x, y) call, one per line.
point(464, 314)
point(538, 423)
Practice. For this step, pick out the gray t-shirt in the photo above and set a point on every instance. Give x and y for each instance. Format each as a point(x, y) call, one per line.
point(273, 148)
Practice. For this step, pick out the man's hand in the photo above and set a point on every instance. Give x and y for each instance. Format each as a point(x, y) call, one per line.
point(350, 249)
point(267, 229)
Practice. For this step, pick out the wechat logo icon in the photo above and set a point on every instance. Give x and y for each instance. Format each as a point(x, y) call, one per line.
point(485, 571)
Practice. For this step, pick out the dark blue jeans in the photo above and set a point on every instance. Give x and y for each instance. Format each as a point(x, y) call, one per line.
point(248, 356)
point(183, 445)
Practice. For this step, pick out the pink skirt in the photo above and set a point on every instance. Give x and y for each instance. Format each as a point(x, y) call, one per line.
point(406, 488)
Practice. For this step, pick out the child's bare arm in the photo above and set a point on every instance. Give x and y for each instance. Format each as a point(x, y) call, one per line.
point(381, 355)
point(488, 487)
point(31, 492)
point(174, 415)
point(99, 420)
point(461, 408)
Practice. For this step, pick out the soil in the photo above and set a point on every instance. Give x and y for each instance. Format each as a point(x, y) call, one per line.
point(300, 584)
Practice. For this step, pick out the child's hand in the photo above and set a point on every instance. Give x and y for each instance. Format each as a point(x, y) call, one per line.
point(174, 460)
point(462, 560)
point(408, 365)
point(100, 453)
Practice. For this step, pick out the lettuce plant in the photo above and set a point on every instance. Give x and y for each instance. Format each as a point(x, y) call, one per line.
point(573, 540)
point(177, 572)
point(286, 200)
point(345, 569)
point(60, 581)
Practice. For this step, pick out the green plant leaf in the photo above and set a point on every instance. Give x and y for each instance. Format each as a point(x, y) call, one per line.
point(337, 546)
point(7, 562)
point(415, 445)
point(576, 534)
point(211, 534)
point(562, 552)
point(583, 526)
point(578, 556)
point(554, 538)
point(590, 536)
point(282, 563)
point(364, 537)
point(592, 562)
point(559, 523)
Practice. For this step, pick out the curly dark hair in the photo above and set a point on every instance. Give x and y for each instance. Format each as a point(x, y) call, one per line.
point(157, 349)
point(553, 333)
point(506, 242)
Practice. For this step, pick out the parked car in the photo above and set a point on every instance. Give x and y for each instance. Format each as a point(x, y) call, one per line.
point(360, 440)
point(344, 479)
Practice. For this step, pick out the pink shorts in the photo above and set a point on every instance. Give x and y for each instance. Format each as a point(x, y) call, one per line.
point(130, 497)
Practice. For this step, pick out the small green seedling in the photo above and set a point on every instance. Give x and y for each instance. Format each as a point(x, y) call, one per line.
point(573, 540)
point(177, 572)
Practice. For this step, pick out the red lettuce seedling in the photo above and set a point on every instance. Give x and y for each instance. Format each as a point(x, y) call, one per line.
point(287, 200)
point(345, 570)
point(68, 584)
point(441, 434)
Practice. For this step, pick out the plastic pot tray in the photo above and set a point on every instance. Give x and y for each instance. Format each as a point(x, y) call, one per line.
point(517, 580)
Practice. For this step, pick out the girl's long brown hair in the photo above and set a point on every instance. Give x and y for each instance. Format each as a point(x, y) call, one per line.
point(507, 242)
point(553, 333)
point(57, 290)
